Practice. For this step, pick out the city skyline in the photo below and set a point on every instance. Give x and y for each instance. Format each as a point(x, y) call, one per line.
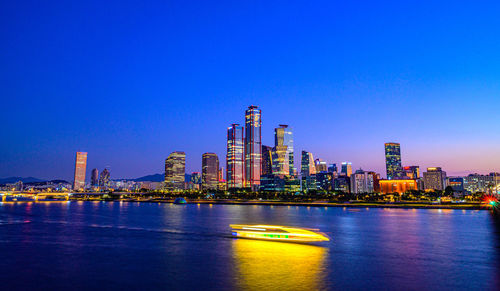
point(426, 80)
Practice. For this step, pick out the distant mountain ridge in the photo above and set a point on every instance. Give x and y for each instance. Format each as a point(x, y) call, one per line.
point(10, 180)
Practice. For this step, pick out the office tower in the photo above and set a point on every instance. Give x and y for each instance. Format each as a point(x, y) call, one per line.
point(195, 178)
point(412, 172)
point(307, 166)
point(362, 182)
point(80, 168)
point(373, 180)
point(94, 178)
point(283, 136)
point(332, 168)
point(346, 168)
point(210, 171)
point(434, 179)
point(393, 160)
point(253, 146)
point(280, 160)
point(175, 171)
point(267, 161)
point(320, 165)
point(235, 157)
point(104, 178)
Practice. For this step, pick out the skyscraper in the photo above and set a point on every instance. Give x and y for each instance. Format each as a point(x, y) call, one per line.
point(332, 168)
point(346, 168)
point(210, 171)
point(80, 169)
point(307, 166)
point(94, 178)
point(393, 160)
point(283, 136)
point(175, 170)
point(253, 146)
point(281, 165)
point(104, 179)
point(320, 165)
point(434, 179)
point(266, 161)
point(235, 157)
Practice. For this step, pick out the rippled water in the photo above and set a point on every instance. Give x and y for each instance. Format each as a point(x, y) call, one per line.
point(113, 245)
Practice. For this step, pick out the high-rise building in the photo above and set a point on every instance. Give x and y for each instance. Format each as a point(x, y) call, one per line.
point(253, 146)
point(195, 178)
point(320, 165)
point(307, 167)
point(280, 160)
point(412, 172)
point(283, 136)
point(80, 169)
point(210, 171)
point(346, 168)
point(235, 157)
point(434, 179)
point(362, 182)
point(94, 178)
point(175, 171)
point(267, 161)
point(393, 160)
point(104, 179)
point(332, 168)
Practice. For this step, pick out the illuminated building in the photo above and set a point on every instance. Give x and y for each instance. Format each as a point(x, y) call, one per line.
point(434, 179)
point(457, 184)
point(309, 183)
point(393, 160)
point(397, 186)
point(320, 165)
point(324, 180)
point(235, 157)
point(267, 161)
point(80, 169)
point(362, 182)
point(332, 168)
point(490, 184)
point(346, 169)
point(342, 183)
point(412, 172)
point(280, 160)
point(307, 167)
point(253, 146)
point(210, 171)
point(283, 136)
point(94, 178)
point(175, 171)
point(374, 180)
point(195, 178)
point(104, 179)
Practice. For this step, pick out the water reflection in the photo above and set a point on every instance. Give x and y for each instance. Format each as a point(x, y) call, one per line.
point(277, 265)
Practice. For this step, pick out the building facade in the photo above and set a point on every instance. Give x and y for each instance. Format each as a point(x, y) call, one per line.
point(235, 157)
point(434, 179)
point(283, 136)
point(210, 171)
point(104, 179)
point(307, 167)
point(175, 171)
point(397, 186)
point(253, 146)
point(411, 172)
point(267, 161)
point(94, 178)
point(346, 168)
point(393, 160)
point(80, 169)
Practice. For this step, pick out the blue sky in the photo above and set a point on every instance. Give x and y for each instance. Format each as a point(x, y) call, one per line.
point(131, 81)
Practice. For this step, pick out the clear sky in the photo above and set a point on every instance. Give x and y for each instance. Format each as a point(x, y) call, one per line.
point(131, 81)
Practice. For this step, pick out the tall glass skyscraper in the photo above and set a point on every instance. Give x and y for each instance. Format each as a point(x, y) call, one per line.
point(175, 171)
point(235, 157)
point(346, 168)
point(210, 171)
point(393, 160)
point(80, 169)
point(266, 161)
point(307, 166)
point(283, 137)
point(253, 146)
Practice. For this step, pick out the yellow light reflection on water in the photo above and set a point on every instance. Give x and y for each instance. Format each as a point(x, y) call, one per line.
point(269, 265)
